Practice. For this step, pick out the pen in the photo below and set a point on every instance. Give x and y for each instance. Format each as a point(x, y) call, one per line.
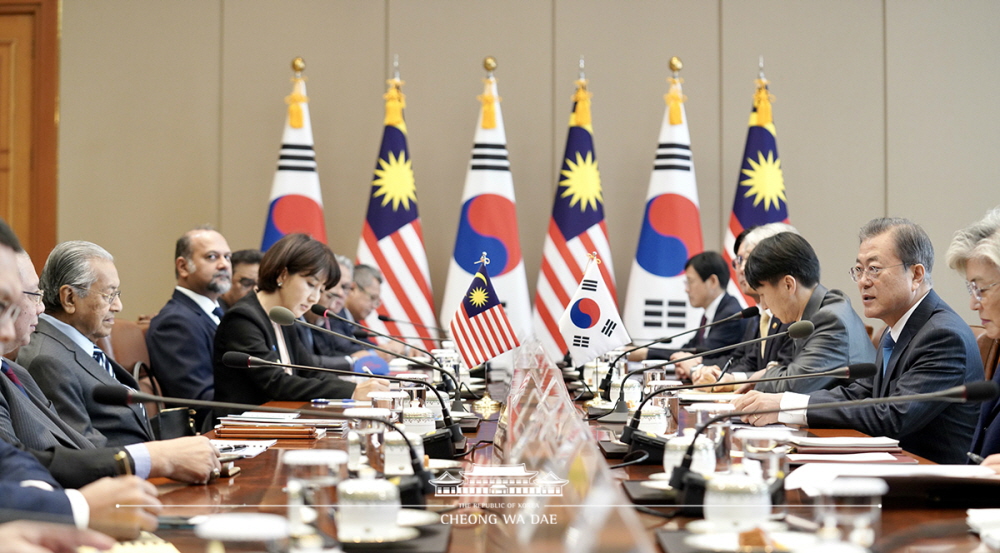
point(323, 401)
point(975, 458)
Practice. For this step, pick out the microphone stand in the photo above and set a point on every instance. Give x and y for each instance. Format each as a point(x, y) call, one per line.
point(691, 485)
point(744, 314)
point(419, 472)
point(328, 313)
point(456, 405)
point(619, 414)
point(449, 423)
point(388, 319)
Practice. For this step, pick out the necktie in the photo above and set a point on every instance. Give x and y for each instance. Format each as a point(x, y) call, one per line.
point(700, 337)
point(9, 373)
point(887, 345)
point(217, 312)
point(765, 321)
point(103, 361)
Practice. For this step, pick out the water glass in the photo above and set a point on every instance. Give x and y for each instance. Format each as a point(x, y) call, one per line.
point(850, 510)
point(736, 502)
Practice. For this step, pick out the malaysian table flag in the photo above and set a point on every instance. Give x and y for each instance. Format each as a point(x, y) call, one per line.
point(296, 204)
point(577, 227)
point(488, 220)
point(392, 239)
point(760, 193)
point(656, 304)
point(591, 325)
point(480, 327)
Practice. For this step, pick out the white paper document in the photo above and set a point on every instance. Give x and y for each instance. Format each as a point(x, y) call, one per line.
point(814, 474)
point(840, 457)
point(243, 448)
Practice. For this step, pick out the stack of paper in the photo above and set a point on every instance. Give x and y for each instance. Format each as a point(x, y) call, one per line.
point(260, 425)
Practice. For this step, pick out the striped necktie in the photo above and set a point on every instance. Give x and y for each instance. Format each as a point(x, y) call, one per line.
point(887, 346)
point(9, 373)
point(102, 359)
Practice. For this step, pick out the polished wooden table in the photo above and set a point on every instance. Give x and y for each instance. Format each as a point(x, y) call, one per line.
point(259, 488)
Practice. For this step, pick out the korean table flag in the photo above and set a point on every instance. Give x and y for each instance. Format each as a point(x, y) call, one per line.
point(591, 324)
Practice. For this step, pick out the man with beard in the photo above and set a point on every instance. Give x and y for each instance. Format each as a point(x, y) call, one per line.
point(181, 335)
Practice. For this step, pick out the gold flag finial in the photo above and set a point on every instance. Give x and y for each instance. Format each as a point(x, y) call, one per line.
point(296, 118)
point(581, 98)
point(675, 64)
point(593, 256)
point(487, 98)
point(762, 98)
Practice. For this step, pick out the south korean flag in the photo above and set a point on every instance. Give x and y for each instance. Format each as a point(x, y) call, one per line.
point(591, 324)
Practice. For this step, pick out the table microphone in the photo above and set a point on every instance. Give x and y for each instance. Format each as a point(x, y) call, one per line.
point(318, 309)
point(240, 360)
point(619, 414)
point(747, 313)
point(285, 317)
point(851, 372)
point(388, 319)
point(363, 334)
point(691, 485)
point(112, 394)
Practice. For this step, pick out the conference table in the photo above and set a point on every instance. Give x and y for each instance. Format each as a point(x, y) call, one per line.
point(259, 488)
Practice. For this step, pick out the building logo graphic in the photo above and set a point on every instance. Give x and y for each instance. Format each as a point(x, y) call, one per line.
point(503, 480)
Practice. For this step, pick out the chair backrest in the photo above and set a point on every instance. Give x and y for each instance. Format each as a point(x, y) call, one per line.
point(988, 348)
point(128, 343)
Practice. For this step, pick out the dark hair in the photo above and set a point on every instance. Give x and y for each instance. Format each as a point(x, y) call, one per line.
point(783, 254)
point(8, 238)
point(246, 257)
point(707, 264)
point(183, 246)
point(912, 244)
point(739, 239)
point(300, 255)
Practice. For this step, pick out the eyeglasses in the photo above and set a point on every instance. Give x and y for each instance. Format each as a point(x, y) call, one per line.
point(976, 291)
point(247, 282)
point(738, 262)
point(36, 297)
point(110, 298)
point(9, 312)
point(375, 298)
point(858, 273)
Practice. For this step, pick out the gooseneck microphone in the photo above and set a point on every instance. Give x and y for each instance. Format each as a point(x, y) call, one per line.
point(796, 330)
point(388, 319)
point(747, 313)
point(120, 395)
point(240, 360)
point(285, 317)
point(852, 372)
point(691, 484)
point(318, 309)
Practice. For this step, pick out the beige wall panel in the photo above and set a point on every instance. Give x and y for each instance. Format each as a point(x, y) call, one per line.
point(825, 63)
point(343, 45)
point(943, 121)
point(138, 140)
point(441, 46)
point(627, 47)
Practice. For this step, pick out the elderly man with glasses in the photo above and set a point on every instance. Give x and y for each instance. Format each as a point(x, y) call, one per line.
point(81, 295)
point(927, 347)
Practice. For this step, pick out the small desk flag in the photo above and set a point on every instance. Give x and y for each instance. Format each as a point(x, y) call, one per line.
point(480, 327)
point(591, 325)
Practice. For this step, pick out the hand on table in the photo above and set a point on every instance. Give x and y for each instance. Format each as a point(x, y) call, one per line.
point(757, 401)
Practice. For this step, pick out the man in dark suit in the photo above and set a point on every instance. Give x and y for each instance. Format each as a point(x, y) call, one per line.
point(180, 336)
point(784, 270)
point(246, 266)
point(706, 276)
point(926, 348)
point(80, 290)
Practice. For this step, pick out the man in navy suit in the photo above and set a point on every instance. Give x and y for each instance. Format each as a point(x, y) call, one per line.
point(706, 276)
point(181, 335)
point(927, 347)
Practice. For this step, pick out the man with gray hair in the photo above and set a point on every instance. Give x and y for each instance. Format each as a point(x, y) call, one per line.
point(81, 294)
point(181, 335)
point(365, 297)
point(926, 347)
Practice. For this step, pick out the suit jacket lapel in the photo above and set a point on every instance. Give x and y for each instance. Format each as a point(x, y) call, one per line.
point(39, 406)
point(916, 321)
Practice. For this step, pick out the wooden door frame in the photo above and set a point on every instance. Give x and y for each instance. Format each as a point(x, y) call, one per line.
point(45, 122)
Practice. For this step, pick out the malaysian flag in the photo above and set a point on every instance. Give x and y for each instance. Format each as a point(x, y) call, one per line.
point(391, 238)
point(488, 221)
point(591, 325)
point(656, 304)
point(480, 327)
point(296, 204)
point(576, 228)
point(760, 193)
